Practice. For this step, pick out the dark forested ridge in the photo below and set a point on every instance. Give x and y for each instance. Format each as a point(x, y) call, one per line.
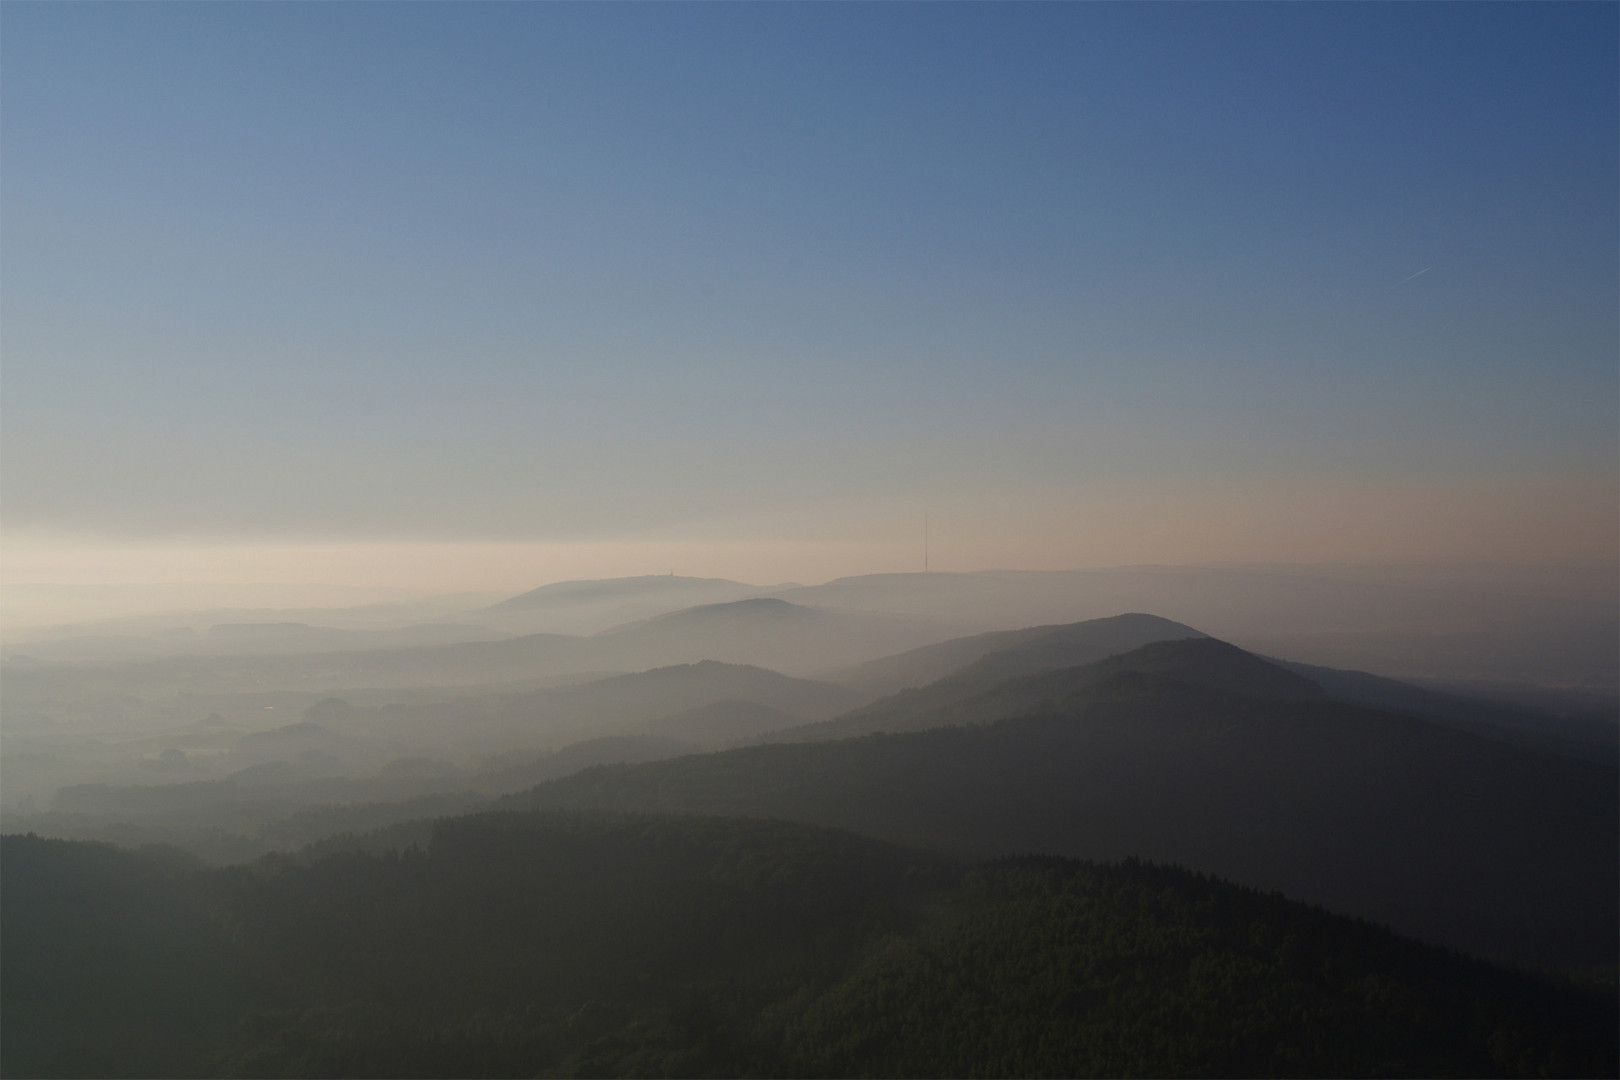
point(1000, 654)
point(1196, 753)
point(1039, 675)
point(535, 945)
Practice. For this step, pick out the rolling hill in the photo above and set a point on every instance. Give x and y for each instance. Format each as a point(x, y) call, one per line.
point(968, 667)
point(1196, 753)
point(273, 784)
point(931, 687)
point(591, 606)
point(764, 632)
point(1018, 652)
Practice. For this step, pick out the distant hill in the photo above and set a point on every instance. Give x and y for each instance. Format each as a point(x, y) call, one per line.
point(922, 682)
point(687, 591)
point(346, 755)
point(1546, 625)
point(1197, 753)
point(766, 632)
point(763, 632)
point(543, 719)
point(1200, 662)
point(603, 750)
point(620, 705)
point(968, 667)
point(1594, 738)
point(1032, 649)
point(523, 945)
point(589, 607)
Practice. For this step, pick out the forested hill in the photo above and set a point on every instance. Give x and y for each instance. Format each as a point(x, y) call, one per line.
point(1037, 676)
point(986, 659)
point(1476, 844)
point(538, 945)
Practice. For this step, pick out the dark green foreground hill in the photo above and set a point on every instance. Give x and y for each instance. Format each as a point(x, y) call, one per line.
point(539, 944)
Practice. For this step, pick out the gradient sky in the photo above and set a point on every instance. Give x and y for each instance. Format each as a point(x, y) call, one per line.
point(1092, 283)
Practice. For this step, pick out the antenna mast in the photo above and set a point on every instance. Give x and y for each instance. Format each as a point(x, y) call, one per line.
point(925, 540)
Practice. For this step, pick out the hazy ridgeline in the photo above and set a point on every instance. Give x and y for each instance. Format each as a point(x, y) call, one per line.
point(324, 891)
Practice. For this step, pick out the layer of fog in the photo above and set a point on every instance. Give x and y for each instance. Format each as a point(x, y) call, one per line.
point(429, 698)
point(1546, 626)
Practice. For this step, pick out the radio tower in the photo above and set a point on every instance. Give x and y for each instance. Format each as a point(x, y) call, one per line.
point(925, 541)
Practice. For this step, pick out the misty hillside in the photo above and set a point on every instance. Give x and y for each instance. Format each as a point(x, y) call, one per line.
point(1018, 651)
point(726, 723)
point(684, 591)
point(1595, 737)
point(939, 679)
point(963, 667)
point(767, 633)
point(1216, 760)
point(588, 607)
point(553, 716)
point(474, 746)
point(1549, 626)
point(524, 945)
point(980, 693)
point(231, 788)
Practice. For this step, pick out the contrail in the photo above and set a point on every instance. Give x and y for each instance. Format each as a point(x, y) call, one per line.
point(1409, 277)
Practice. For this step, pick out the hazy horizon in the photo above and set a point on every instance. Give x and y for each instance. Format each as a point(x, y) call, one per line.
point(475, 298)
point(863, 539)
point(36, 604)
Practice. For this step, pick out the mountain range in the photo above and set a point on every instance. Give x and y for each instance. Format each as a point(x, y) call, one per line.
point(1195, 752)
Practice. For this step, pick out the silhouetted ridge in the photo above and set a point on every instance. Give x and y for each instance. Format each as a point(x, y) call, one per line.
point(1069, 646)
point(1189, 669)
point(1212, 664)
point(1018, 651)
point(965, 667)
point(1198, 753)
point(1032, 676)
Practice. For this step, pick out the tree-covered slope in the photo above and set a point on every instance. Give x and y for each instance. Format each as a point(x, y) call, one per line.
point(927, 682)
point(953, 682)
point(1033, 648)
point(1031, 679)
point(1056, 968)
point(535, 945)
point(1480, 845)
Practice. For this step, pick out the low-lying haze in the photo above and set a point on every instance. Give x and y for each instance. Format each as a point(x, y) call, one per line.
point(809, 539)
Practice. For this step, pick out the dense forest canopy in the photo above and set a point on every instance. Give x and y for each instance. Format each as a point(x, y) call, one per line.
point(543, 944)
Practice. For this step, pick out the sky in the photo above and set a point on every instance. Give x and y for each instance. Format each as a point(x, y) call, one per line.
point(478, 296)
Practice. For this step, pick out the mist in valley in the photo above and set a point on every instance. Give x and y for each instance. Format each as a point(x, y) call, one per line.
point(929, 540)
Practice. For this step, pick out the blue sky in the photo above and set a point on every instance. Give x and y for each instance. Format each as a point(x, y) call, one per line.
point(547, 273)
